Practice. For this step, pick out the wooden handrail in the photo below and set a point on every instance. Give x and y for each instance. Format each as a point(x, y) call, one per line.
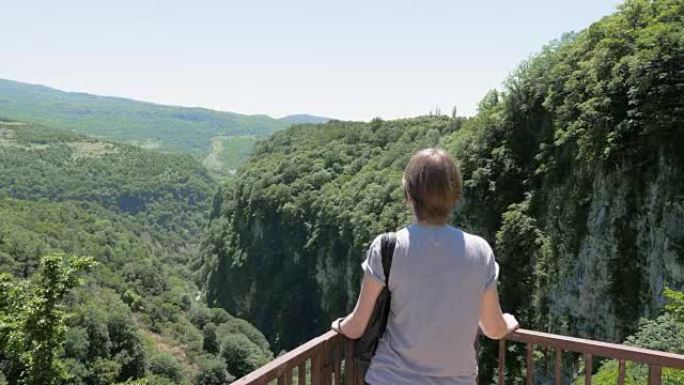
point(326, 360)
point(289, 360)
point(655, 360)
point(597, 348)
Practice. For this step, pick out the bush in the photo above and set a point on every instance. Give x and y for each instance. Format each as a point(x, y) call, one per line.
point(213, 372)
point(210, 342)
point(166, 365)
point(241, 355)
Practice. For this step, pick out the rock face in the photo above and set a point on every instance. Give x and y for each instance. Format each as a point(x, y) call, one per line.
point(575, 174)
point(629, 251)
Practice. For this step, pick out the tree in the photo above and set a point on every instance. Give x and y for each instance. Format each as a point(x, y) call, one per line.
point(213, 372)
point(210, 342)
point(32, 321)
point(166, 365)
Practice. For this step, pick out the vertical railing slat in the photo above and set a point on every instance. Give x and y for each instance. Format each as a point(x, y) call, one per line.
point(316, 367)
point(621, 372)
point(654, 375)
point(502, 361)
point(530, 365)
point(301, 374)
point(587, 368)
point(337, 362)
point(327, 364)
point(288, 376)
point(348, 362)
point(559, 366)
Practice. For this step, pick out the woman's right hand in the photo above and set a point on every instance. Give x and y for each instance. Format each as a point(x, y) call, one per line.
point(493, 322)
point(511, 322)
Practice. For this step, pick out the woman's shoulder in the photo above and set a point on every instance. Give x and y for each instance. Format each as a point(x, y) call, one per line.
point(476, 244)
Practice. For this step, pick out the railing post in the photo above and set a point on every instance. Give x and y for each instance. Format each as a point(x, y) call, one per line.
point(621, 372)
point(317, 367)
point(337, 362)
point(301, 374)
point(326, 366)
point(349, 362)
point(530, 365)
point(587, 369)
point(654, 375)
point(288, 376)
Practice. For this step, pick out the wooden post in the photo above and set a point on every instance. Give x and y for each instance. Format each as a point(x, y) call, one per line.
point(621, 372)
point(654, 375)
point(587, 368)
point(317, 367)
point(349, 362)
point(337, 362)
point(530, 364)
point(301, 374)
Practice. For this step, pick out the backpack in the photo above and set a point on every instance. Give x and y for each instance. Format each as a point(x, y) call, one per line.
point(364, 347)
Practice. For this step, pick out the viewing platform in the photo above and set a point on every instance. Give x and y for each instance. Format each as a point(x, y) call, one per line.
point(326, 360)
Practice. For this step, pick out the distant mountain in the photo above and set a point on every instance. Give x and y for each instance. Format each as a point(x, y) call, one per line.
point(206, 134)
point(304, 118)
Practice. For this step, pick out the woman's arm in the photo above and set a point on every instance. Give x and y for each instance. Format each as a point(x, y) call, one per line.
point(493, 322)
point(355, 323)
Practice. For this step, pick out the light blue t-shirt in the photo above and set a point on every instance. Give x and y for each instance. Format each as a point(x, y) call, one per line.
point(437, 279)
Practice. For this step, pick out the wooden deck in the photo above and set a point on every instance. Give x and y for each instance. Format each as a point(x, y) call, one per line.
point(326, 360)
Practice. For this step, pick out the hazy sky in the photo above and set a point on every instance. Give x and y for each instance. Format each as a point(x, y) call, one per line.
point(344, 59)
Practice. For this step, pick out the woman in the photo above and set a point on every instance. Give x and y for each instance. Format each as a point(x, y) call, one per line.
point(443, 285)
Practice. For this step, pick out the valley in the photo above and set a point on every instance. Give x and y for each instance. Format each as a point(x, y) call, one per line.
point(213, 242)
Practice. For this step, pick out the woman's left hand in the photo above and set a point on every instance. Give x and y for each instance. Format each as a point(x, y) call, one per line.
point(335, 325)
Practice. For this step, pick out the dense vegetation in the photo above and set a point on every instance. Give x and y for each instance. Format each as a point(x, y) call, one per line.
point(168, 128)
point(664, 332)
point(574, 173)
point(137, 213)
point(166, 192)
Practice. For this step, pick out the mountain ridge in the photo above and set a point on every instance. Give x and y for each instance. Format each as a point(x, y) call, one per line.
point(167, 128)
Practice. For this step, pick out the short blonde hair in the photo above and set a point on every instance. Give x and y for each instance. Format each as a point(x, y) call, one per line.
point(432, 183)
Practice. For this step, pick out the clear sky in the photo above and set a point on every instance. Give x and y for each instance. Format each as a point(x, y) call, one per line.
point(346, 59)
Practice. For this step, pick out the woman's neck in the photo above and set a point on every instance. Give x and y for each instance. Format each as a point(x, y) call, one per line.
point(427, 223)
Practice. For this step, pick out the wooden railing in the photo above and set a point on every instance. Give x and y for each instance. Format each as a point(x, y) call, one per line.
point(326, 360)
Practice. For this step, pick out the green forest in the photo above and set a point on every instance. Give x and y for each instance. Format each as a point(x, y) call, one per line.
point(133, 314)
point(143, 244)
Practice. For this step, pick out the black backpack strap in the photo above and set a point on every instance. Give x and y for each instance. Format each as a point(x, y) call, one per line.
point(387, 244)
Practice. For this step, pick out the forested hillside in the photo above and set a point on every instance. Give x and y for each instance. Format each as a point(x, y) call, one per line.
point(574, 173)
point(138, 214)
point(166, 192)
point(167, 128)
